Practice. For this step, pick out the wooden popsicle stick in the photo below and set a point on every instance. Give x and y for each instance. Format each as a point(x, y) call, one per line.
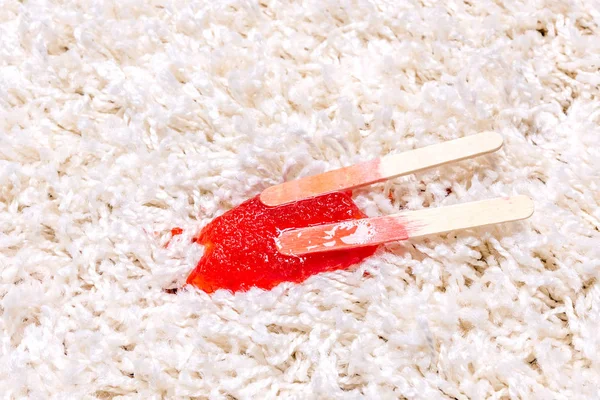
point(403, 226)
point(380, 169)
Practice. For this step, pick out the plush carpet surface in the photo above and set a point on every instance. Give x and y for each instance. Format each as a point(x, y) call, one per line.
point(120, 120)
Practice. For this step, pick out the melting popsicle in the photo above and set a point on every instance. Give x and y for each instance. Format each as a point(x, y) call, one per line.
point(240, 249)
point(292, 230)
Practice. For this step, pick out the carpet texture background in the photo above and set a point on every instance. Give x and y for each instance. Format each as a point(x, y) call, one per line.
point(120, 120)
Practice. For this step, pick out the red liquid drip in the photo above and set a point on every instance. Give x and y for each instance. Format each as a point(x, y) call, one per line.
point(240, 250)
point(174, 232)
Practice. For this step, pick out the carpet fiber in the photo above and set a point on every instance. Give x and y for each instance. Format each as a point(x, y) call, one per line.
point(120, 120)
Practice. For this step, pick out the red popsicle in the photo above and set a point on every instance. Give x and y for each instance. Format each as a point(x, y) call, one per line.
point(240, 250)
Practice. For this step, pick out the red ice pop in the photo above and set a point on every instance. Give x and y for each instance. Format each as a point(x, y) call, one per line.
point(240, 249)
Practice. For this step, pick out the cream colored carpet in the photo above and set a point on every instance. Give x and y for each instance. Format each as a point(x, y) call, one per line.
point(120, 120)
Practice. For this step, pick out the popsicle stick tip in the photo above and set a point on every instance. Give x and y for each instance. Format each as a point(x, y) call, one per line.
point(524, 204)
point(495, 140)
point(264, 196)
point(271, 196)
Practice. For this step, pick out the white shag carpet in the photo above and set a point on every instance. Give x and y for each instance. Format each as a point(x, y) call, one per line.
point(120, 120)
